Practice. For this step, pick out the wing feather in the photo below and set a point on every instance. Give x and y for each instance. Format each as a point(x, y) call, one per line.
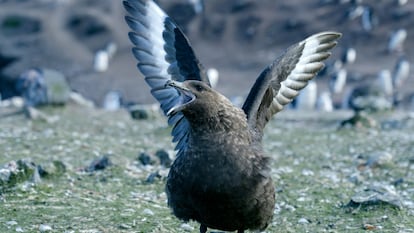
point(163, 53)
point(282, 80)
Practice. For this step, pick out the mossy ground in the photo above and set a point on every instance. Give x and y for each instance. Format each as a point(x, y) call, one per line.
point(312, 166)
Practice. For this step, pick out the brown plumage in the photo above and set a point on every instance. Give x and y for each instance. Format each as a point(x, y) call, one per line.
point(220, 176)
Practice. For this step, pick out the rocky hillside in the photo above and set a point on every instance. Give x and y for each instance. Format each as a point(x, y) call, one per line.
point(238, 37)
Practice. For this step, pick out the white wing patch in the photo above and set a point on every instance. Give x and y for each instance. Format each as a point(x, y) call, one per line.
point(315, 50)
point(156, 18)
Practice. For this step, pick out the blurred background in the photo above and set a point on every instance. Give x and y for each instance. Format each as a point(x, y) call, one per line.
point(86, 41)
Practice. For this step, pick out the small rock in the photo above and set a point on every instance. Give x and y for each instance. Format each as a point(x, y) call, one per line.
point(45, 228)
point(43, 86)
point(58, 90)
point(19, 229)
point(369, 227)
point(409, 205)
point(302, 199)
point(356, 178)
point(359, 120)
point(303, 221)
point(164, 158)
point(31, 85)
point(4, 176)
point(13, 173)
point(186, 227)
point(138, 112)
point(50, 169)
point(398, 181)
point(308, 173)
point(99, 163)
point(277, 209)
point(148, 212)
point(285, 206)
point(376, 195)
point(152, 177)
point(145, 159)
point(124, 226)
point(377, 160)
point(331, 225)
point(11, 223)
point(392, 124)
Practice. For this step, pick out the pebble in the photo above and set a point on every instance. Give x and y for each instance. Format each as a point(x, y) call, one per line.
point(139, 112)
point(124, 226)
point(379, 159)
point(99, 163)
point(145, 159)
point(356, 178)
point(164, 158)
point(308, 173)
point(186, 227)
point(45, 228)
point(409, 204)
point(303, 221)
point(11, 223)
point(54, 168)
point(377, 194)
point(277, 209)
point(290, 208)
point(152, 177)
point(148, 212)
point(302, 199)
point(19, 229)
point(369, 227)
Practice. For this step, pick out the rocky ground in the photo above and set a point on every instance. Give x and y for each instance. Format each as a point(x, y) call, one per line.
point(96, 171)
point(81, 169)
point(237, 37)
